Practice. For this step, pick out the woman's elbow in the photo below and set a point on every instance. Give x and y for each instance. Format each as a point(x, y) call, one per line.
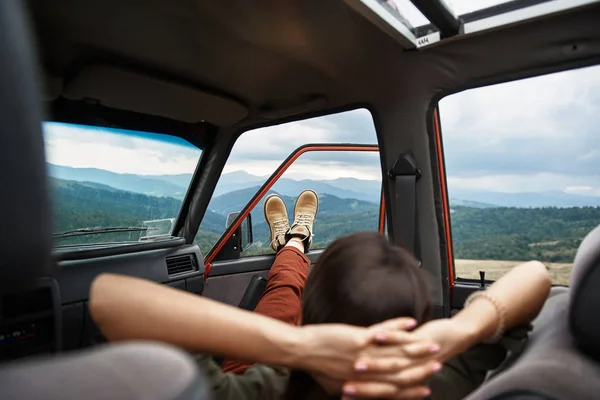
point(540, 274)
point(99, 300)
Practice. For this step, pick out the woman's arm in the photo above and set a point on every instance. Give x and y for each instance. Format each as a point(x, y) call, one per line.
point(127, 308)
point(521, 293)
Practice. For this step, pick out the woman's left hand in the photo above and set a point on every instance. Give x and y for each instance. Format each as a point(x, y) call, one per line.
point(338, 351)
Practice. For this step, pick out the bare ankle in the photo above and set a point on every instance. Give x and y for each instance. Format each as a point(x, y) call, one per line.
point(296, 242)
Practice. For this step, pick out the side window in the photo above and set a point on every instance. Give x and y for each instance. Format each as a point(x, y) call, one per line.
point(114, 186)
point(523, 172)
point(348, 182)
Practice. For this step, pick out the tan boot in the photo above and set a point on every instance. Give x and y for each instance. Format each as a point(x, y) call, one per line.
point(277, 218)
point(305, 211)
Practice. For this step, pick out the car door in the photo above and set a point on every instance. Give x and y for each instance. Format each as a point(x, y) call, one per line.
point(238, 264)
point(518, 182)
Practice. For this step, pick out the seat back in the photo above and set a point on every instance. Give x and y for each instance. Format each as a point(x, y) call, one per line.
point(562, 359)
point(133, 371)
point(25, 226)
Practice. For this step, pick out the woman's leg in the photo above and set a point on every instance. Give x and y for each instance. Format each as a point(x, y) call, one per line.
point(282, 297)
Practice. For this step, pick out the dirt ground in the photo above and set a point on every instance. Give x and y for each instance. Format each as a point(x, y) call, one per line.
point(469, 269)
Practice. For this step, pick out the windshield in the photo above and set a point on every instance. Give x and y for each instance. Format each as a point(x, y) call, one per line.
point(114, 185)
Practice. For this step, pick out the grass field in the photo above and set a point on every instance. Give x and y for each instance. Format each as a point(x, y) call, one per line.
point(469, 269)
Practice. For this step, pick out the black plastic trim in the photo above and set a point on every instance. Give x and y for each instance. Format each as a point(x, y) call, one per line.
point(252, 264)
point(77, 276)
point(440, 16)
point(52, 284)
point(439, 203)
point(462, 290)
point(195, 284)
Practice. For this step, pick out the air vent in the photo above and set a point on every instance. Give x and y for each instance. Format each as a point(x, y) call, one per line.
point(181, 264)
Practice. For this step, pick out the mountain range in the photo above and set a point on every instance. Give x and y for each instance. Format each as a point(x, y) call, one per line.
point(496, 233)
point(345, 188)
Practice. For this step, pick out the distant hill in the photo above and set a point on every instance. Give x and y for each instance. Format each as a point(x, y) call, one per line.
point(151, 186)
point(335, 214)
point(548, 234)
point(554, 198)
point(468, 203)
point(346, 188)
point(89, 204)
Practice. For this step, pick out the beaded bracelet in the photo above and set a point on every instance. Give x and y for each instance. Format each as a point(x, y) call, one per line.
point(495, 338)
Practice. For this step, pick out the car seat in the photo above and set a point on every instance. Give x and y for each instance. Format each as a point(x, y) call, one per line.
point(562, 359)
point(126, 371)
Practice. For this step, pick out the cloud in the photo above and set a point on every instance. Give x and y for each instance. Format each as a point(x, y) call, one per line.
point(458, 7)
point(536, 134)
point(87, 147)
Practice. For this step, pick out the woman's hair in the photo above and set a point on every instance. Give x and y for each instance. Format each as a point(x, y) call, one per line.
point(361, 280)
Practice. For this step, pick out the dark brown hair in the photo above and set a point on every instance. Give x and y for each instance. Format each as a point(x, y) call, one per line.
point(361, 279)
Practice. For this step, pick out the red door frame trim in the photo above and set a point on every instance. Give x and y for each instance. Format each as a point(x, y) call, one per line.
point(271, 181)
point(445, 206)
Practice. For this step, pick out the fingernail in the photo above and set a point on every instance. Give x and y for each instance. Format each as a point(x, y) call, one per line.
point(434, 348)
point(361, 366)
point(436, 367)
point(380, 337)
point(426, 392)
point(411, 324)
point(349, 390)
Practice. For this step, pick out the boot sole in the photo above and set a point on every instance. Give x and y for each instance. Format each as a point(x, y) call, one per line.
point(267, 219)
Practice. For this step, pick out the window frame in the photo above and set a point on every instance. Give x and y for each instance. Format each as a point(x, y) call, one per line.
point(80, 116)
point(274, 177)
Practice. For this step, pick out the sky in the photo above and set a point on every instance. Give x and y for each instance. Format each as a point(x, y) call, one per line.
point(459, 7)
point(534, 135)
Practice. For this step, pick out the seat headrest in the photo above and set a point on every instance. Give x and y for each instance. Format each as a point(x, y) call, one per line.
point(25, 228)
point(584, 307)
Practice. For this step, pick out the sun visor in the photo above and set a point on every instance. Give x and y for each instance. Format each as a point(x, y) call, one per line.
point(125, 90)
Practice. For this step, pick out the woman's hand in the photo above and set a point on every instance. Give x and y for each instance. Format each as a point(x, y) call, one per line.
point(344, 353)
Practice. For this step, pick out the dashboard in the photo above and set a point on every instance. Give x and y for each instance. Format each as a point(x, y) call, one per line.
point(54, 317)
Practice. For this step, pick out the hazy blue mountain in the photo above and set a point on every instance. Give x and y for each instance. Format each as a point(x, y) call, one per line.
point(237, 180)
point(499, 233)
point(336, 216)
point(357, 185)
point(291, 187)
point(181, 180)
point(89, 204)
point(235, 201)
point(130, 182)
point(469, 203)
point(555, 198)
point(345, 188)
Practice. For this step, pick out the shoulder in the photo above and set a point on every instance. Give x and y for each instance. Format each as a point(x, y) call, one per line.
point(257, 382)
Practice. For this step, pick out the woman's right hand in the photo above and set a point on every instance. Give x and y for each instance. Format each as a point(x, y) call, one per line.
point(343, 353)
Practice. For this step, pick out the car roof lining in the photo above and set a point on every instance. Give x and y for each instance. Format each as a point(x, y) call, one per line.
point(283, 53)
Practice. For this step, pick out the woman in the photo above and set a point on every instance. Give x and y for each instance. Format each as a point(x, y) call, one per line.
point(362, 279)
point(358, 280)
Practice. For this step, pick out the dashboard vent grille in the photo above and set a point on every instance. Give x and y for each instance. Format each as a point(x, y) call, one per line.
point(182, 263)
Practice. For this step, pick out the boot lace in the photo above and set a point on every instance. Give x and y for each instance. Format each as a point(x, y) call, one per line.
point(304, 219)
point(280, 227)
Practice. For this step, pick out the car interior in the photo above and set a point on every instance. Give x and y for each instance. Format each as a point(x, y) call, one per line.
point(205, 72)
